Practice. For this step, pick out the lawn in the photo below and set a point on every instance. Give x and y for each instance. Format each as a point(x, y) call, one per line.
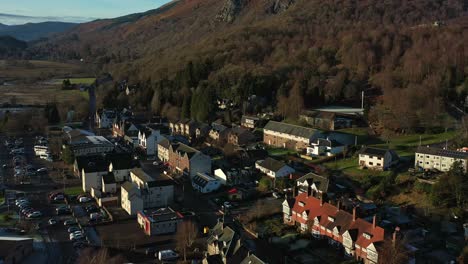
point(350, 167)
point(280, 152)
point(73, 190)
point(6, 219)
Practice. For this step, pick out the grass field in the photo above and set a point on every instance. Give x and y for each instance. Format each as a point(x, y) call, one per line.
point(280, 152)
point(39, 94)
point(350, 167)
point(40, 70)
point(73, 190)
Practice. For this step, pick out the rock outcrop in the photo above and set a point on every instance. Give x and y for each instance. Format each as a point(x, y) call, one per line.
point(230, 10)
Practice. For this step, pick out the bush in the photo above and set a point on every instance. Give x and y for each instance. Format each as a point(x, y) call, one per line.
point(421, 187)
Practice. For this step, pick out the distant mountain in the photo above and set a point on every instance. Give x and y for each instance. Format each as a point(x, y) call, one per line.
point(12, 19)
point(34, 31)
point(10, 46)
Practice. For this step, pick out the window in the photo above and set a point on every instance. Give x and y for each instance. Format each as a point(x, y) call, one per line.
point(371, 163)
point(379, 164)
point(379, 158)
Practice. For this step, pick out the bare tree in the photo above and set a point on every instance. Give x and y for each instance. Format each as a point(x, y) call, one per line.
point(101, 256)
point(186, 235)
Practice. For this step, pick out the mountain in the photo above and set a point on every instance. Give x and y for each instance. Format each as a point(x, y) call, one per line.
point(10, 45)
point(35, 31)
point(291, 53)
point(13, 19)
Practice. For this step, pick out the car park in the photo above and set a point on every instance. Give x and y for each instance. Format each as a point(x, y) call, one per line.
point(41, 170)
point(18, 201)
point(63, 210)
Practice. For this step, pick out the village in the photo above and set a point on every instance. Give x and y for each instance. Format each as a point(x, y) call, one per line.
point(259, 190)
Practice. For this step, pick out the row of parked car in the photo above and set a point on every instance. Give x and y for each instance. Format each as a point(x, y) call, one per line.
point(26, 209)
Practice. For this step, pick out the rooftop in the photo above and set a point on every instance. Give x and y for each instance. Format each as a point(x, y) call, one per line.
point(374, 151)
point(285, 128)
point(202, 179)
point(442, 152)
point(161, 215)
point(140, 174)
point(271, 164)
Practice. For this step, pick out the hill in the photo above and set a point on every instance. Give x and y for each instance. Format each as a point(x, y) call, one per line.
point(10, 45)
point(34, 31)
point(409, 56)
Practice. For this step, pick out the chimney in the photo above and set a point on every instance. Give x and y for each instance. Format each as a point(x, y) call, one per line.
point(321, 200)
point(354, 214)
point(338, 205)
point(373, 221)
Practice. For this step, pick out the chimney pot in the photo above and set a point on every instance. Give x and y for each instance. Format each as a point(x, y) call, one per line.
point(374, 221)
point(354, 213)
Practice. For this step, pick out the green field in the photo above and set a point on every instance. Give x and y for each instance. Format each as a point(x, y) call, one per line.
point(280, 152)
point(73, 190)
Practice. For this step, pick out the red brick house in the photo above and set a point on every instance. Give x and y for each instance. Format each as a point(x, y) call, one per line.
point(187, 160)
point(359, 238)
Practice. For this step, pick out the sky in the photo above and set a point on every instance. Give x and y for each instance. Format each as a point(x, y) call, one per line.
point(70, 10)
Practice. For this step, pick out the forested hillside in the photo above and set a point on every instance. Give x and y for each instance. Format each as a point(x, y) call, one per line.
point(409, 56)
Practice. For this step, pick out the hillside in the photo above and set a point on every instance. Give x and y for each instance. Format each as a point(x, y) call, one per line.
point(293, 53)
point(10, 45)
point(34, 31)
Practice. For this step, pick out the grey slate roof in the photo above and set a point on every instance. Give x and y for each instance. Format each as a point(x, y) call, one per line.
point(299, 131)
point(322, 182)
point(108, 178)
point(442, 152)
point(142, 175)
point(272, 164)
point(374, 151)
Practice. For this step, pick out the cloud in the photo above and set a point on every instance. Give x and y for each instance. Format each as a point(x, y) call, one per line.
point(11, 19)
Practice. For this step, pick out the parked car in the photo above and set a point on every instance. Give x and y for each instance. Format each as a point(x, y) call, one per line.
point(77, 237)
point(151, 251)
point(84, 199)
point(62, 211)
point(167, 255)
point(52, 222)
point(79, 244)
point(35, 214)
point(59, 197)
point(73, 229)
point(69, 222)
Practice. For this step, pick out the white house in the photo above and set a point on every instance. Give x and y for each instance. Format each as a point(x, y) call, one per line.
point(325, 147)
point(131, 200)
point(148, 139)
point(221, 176)
point(377, 159)
point(428, 158)
point(109, 184)
point(274, 168)
point(105, 118)
point(120, 166)
point(91, 174)
point(154, 192)
point(204, 183)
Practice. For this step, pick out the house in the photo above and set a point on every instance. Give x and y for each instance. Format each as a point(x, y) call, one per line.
point(163, 149)
point(128, 131)
point(202, 130)
point(359, 238)
point(148, 138)
point(105, 118)
point(251, 122)
point(377, 159)
point(325, 147)
point(109, 184)
point(130, 197)
point(428, 158)
point(120, 165)
point(239, 136)
point(313, 184)
point(15, 249)
point(221, 176)
point(204, 183)
point(155, 191)
point(91, 145)
point(188, 128)
point(222, 240)
point(187, 160)
point(327, 120)
point(274, 168)
point(82, 161)
point(252, 259)
point(92, 172)
point(218, 132)
point(159, 222)
point(283, 135)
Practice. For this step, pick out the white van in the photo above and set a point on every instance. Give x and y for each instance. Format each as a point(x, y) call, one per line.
point(167, 255)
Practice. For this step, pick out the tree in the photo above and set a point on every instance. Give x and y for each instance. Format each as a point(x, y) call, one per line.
point(452, 188)
point(66, 84)
point(101, 256)
point(186, 235)
point(393, 252)
point(264, 184)
point(67, 155)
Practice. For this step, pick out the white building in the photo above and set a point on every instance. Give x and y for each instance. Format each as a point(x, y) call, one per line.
point(163, 150)
point(153, 192)
point(91, 175)
point(221, 176)
point(91, 145)
point(274, 168)
point(204, 183)
point(325, 147)
point(159, 222)
point(428, 158)
point(377, 159)
point(148, 139)
point(105, 118)
point(130, 197)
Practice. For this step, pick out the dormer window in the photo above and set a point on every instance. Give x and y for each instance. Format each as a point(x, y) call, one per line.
point(367, 235)
point(331, 219)
point(302, 204)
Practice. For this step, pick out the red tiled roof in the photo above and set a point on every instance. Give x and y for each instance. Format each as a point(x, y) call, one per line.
point(342, 219)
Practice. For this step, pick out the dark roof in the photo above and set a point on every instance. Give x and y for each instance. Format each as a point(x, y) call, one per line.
point(272, 164)
point(184, 149)
point(96, 165)
point(374, 151)
point(289, 129)
point(162, 215)
point(252, 259)
point(165, 143)
point(108, 178)
point(129, 187)
point(322, 182)
point(139, 173)
point(201, 180)
point(442, 152)
point(81, 161)
point(121, 161)
point(239, 131)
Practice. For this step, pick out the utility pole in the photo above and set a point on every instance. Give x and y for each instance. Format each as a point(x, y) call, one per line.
point(362, 100)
